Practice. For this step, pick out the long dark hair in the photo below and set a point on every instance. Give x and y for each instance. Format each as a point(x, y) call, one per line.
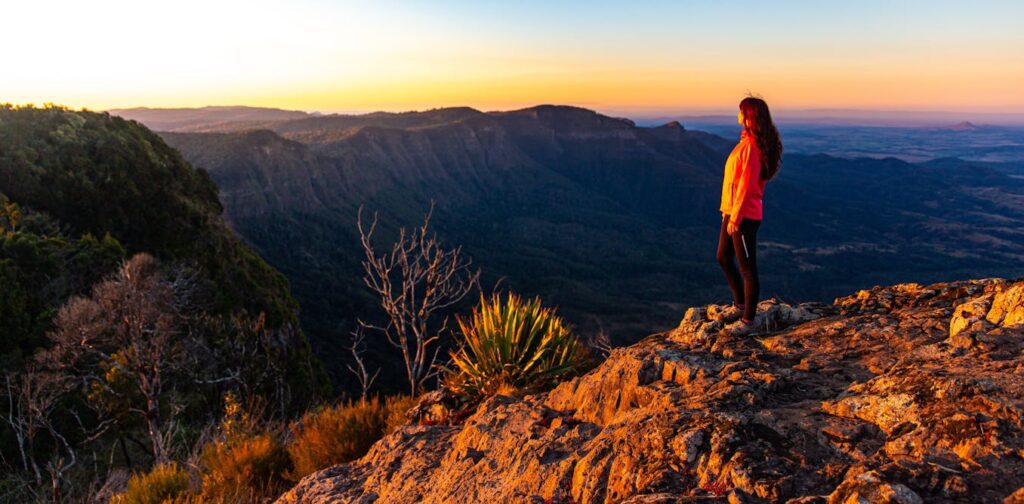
point(759, 124)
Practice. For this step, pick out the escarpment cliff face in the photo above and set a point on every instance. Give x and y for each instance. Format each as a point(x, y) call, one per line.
point(613, 222)
point(905, 394)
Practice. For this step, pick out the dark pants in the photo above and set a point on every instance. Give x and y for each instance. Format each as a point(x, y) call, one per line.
point(743, 283)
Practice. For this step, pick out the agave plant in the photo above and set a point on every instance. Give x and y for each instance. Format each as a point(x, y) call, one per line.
point(512, 342)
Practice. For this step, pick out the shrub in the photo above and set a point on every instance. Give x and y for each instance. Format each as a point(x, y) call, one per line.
point(515, 343)
point(165, 482)
point(336, 434)
point(242, 468)
point(397, 406)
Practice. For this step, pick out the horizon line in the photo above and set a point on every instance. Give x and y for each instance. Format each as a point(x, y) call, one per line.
point(646, 112)
point(877, 116)
point(632, 113)
point(685, 111)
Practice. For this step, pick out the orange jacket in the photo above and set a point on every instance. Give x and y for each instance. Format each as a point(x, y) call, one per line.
point(742, 187)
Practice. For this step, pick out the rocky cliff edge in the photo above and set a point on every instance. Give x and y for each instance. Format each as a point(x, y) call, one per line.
point(903, 394)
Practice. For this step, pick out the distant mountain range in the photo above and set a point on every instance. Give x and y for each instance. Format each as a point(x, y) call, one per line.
point(962, 126)
point(614, 223)
point(198, 119)
point(204, 118)
point(965, 140)
point(852, 117)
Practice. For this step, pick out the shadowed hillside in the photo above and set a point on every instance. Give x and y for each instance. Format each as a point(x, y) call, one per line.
point(616, 224)
point(131, 315)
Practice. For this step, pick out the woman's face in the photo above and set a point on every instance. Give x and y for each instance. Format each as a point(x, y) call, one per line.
point(739, 118)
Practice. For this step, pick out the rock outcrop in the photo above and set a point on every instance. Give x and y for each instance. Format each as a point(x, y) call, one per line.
point(903, 394)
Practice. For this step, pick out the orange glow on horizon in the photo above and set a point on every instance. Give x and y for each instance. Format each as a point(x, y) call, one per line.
point(352, 56)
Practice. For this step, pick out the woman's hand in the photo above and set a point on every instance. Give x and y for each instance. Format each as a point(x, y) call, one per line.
point(731, 228)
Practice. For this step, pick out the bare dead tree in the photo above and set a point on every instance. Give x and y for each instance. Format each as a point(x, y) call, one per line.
point(128, 326)
point(252, 360)
point(357, 348)
point(33, 398)
point(58, 466)
point(599, 341)
point(273, 343)
point(414, 281)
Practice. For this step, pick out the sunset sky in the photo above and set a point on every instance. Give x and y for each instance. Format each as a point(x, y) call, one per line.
point(629, 57)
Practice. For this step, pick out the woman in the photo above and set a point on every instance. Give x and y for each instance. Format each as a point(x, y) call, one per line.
point(752, 163)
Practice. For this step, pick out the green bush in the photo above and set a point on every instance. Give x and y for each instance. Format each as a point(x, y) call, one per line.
point(164, 483)
point(244, 468)
point(512, 343)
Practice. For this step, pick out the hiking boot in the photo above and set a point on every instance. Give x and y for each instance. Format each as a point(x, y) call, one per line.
point(741, 328)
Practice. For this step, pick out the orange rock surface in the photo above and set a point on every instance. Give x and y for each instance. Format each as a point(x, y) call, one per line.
point(903, 394)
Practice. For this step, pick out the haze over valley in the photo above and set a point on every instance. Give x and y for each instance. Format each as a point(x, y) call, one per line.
point(612, 222)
